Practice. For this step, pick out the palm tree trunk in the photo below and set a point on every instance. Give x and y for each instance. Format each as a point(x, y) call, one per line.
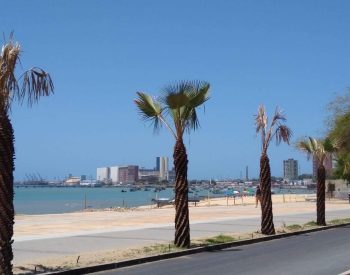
point(6, 193)
point(182, 225)
point(267, 226)
point(321, 195)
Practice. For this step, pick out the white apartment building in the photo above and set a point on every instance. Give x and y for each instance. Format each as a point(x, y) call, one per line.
point(114, 174)
point(162, 165)
point(103, 174)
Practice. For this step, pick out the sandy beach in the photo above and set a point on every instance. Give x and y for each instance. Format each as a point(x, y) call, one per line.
point(28, 227)
point(49, 238)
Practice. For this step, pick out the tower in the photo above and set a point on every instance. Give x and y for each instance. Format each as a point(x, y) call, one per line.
point(162, 165)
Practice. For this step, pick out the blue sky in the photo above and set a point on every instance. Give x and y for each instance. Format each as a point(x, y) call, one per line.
point(294, 54)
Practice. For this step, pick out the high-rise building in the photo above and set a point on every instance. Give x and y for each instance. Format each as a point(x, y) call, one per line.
point(328, 165)
point(158, 163)
point(128, 174)
point(114, 174)
point(162, 165)
point(290, 169)
point(102, 174)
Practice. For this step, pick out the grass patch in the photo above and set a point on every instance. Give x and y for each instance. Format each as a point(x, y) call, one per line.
point(157, 249)
point(218, 240)
point(310, 224)
point(339, 221)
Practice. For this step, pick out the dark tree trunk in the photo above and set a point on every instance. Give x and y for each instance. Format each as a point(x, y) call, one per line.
point(182, 225)
point(321, 195)
point(267, 226)
point(6, 193)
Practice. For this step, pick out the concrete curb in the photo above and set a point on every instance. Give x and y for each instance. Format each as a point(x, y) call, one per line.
point(170, 255)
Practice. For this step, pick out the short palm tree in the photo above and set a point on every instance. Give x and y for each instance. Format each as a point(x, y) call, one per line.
point(319, 150)
point(34, 84)
point(179, 102)
point(275, 130)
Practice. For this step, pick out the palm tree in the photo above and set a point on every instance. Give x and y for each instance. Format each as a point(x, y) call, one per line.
point(34, 84)
point(319, 150)
point(179, 102)
point(275, 130)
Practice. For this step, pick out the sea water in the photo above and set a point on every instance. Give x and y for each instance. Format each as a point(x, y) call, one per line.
point(45, 200)
point(52, 200)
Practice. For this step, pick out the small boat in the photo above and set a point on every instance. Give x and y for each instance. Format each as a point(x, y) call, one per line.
point(123, 191)
point(162, 201)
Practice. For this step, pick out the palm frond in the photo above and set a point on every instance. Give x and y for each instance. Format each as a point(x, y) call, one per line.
point(149, 109)
point(175, 101)
point(278, 117)
point(314, 144)
point(190, 118)
point(36, 83)
point(330, 145)
point(261, 119)
point(9, 87)
point(174, 96)
point(179, 101)
point(198, 94)
point(283, 133)
point(306, 147)
point(274, 130)
point(318, 148)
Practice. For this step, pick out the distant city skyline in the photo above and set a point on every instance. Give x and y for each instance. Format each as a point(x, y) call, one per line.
point(290, 54)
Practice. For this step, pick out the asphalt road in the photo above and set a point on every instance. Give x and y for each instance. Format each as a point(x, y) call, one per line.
point(325, 252)
point(56, 247)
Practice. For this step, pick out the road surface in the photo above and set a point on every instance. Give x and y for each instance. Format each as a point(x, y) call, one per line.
point(325, 252)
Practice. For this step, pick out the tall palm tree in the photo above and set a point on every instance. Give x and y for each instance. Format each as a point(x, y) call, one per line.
point(34, 84)
point(179, 102)
point(275, 130)
point(319, 150)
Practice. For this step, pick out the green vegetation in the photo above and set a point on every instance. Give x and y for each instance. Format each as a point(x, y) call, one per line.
point(310, 224)
point(179, 102)
point(339, 131)
point(218, 240)
point(339, 221)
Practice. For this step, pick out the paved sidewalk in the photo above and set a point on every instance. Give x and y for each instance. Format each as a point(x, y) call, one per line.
point(37, 249)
